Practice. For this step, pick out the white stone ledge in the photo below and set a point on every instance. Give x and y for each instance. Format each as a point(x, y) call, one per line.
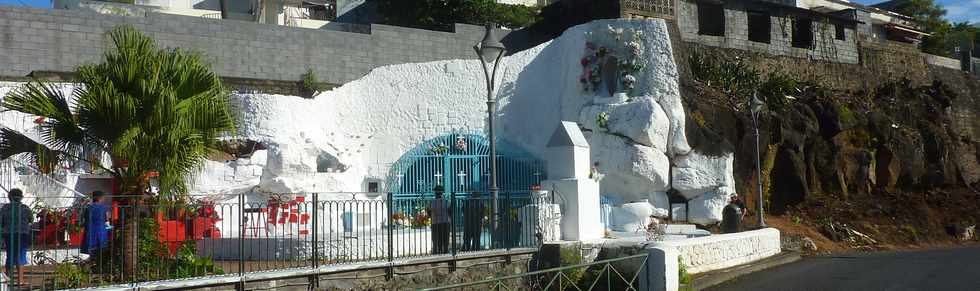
point(703, 254)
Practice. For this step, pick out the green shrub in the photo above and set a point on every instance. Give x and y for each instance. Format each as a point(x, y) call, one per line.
point(682, 276)
point(572, 256)
point(775, 89)
point(70, 275)
point(309, 85)
point(733, 77)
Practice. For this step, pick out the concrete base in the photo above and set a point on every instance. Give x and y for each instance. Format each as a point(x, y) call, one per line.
point(580, 218)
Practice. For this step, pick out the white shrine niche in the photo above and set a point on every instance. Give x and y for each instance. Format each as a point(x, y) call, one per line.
point(568, 175)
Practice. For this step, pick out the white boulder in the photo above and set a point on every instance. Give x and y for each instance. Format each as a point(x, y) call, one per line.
point(632, 216)
point(631, 171)
point(642, 120)
point(696, 173)
point(707, 208)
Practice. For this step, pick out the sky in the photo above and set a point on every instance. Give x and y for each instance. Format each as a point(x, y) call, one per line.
point(956, 10)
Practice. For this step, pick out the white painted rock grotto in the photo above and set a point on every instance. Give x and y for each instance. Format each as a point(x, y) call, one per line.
point(369, 123)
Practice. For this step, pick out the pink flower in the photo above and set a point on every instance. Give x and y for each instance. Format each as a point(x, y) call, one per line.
point(585, 62)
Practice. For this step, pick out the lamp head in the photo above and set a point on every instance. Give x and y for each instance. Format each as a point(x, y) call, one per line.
point(756, 104)
point(490, 48)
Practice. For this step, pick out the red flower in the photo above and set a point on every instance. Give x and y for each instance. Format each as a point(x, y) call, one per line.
point(585, 62)
point(39, 120)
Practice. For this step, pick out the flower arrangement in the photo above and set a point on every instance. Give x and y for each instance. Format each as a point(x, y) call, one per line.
point(624, 47)
point(460, 143)
point(438, 149)
point(400, 219)
point(421, 220)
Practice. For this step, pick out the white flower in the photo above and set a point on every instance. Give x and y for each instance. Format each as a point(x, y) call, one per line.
point(635, 47)
point(628, 81)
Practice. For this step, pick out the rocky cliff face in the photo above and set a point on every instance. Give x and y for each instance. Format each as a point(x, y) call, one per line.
point(834, 131)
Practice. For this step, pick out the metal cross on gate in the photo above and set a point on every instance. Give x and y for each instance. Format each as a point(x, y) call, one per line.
point(462, 179)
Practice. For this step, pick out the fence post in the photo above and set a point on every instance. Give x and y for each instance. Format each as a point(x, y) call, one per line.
point(241, 241)
point(390, 271)
point(136, 239)
point(315, 246)
point(452, 230)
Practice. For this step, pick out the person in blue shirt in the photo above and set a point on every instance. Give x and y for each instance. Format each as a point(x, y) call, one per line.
point(15, 220)
point(95, 220)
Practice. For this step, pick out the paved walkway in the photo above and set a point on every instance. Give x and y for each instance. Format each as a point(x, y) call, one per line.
point(939, 269)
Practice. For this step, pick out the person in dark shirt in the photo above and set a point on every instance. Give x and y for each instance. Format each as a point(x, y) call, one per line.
point(472, 222)
point(439, 213)
point(15, 220)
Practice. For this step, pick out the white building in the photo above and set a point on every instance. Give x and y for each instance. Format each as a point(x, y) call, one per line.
point(300, 13)
point(878, 22)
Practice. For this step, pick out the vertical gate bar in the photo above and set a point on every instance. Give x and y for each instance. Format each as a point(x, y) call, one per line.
point(452, 230)
point(314, 246)
point(389, 272)
point(241, 237)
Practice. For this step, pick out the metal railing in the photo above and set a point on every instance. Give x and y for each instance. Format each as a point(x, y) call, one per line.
point(119, 241)
point(648, 8)
point(614, 274)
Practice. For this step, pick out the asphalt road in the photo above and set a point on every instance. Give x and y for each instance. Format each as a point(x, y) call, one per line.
point(939, 269)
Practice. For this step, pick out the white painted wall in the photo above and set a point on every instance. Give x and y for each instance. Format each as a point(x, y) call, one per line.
point(370, 122)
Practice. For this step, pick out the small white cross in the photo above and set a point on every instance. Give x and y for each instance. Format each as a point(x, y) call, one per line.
point(462, 177)
point(438, 176)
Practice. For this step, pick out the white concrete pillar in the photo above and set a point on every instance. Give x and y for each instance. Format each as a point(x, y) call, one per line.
point(661, 271)
point(568, 170)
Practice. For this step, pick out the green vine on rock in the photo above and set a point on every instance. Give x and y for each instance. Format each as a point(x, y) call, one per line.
point(602, 120)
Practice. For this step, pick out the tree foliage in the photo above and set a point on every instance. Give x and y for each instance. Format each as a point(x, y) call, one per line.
point(946, 36)
point(442, 14)
point(148, 109)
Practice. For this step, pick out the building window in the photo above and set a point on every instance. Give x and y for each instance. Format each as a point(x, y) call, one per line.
point(373, 187)
point(760, 26)
point(802, 33)
point(839, 32)
point(711, 19)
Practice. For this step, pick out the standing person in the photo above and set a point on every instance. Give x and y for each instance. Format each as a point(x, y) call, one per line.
point(15, 219)
point(440, 222)
point(96, 217)
point(472, 222)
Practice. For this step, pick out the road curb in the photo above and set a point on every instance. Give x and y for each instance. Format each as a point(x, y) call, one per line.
point(713, 278)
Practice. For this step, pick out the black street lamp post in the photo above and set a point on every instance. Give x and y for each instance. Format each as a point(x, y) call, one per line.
point(755, 107)
point(490, 51)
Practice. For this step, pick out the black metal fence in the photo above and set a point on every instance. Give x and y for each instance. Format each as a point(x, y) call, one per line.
point(121, 241)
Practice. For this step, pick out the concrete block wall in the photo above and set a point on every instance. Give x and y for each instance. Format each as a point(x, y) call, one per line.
point(826, 47)
point(942, 61)
point(34, 39)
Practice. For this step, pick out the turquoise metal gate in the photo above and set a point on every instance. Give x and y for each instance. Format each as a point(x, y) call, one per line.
point(460, 163)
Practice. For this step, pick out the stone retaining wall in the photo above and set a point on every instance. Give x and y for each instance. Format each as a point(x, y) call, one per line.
point(703, 254)
point(33, 39)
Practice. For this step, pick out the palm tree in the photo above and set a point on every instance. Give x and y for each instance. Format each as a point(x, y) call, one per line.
point(151, 111)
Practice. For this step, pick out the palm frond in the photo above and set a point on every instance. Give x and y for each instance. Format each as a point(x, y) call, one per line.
point(14, 143)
